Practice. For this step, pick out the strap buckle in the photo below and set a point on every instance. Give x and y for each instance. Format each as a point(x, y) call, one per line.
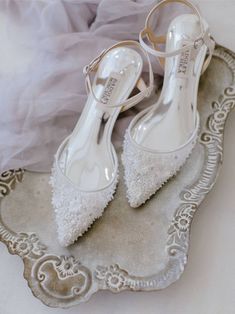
point(92, 66)
point(207, 40)
point(199, 42)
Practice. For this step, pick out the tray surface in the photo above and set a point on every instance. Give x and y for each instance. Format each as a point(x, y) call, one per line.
point(135, 249)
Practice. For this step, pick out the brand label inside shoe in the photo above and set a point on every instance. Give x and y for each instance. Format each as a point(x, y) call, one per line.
point(110, 87)
point(183, 62)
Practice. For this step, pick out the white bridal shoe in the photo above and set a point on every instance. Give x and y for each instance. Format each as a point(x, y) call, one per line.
point(85, 171)
point(161, 138)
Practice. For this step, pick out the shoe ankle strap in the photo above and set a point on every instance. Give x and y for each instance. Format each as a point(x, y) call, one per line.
point(132, 101)
point(203, 38)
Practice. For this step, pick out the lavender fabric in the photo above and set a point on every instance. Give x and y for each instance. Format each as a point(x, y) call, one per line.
point(44, 47)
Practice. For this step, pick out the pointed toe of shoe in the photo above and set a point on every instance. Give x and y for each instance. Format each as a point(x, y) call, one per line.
point(75, 210)
point(69, 228)
point(141, 184)
point(73, 218)
point(135, 196)
point(145, 171)
point(74, 222)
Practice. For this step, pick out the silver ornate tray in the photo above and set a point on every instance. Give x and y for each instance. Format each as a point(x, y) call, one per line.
point(126, 249)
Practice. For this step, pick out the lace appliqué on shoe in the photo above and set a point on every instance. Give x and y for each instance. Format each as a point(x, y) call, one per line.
point(145, 172)
point(76, 210)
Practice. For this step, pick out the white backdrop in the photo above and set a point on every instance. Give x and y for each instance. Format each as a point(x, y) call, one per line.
point(207, 285)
